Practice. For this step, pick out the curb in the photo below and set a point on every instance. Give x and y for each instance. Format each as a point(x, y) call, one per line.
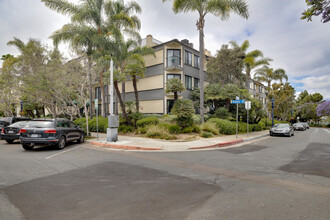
point(224, 144)
point(123, 147)
point(256, 137)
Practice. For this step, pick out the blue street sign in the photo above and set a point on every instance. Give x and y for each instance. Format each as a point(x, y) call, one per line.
point(237, 101)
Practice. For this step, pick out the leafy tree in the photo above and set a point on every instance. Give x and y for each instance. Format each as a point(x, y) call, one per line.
point(252, 59)
point(323, 109)
point(283, 94)
point(227, 66)
point(317, 7)
point(174, 85)
point(219, 8)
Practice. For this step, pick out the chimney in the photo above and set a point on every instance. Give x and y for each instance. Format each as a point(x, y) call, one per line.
point(149, 42)
point(185, 41)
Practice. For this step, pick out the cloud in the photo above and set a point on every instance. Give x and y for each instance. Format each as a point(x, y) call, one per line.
point(315, 84)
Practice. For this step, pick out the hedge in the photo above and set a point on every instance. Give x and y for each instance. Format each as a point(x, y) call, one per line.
point(147, 121)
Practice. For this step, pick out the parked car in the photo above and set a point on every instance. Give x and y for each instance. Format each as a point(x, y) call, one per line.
point(282, 129)
point(306, 124)
point(55, 132)
point(299, 127)
point(11, 132)
point(5, 121)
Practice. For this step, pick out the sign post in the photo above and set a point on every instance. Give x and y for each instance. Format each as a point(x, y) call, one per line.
point(273, 105)
point(237, 101)
point(97, 120)
point(247, 107)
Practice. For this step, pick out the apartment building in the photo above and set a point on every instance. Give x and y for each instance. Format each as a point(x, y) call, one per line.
point(259, 91)
point(173, 59)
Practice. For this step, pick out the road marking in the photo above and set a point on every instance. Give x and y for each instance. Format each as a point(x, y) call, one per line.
point(327, 130)
point(62, 152)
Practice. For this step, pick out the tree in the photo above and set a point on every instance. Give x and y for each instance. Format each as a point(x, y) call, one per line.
point(184, 110)
point(226, 67)
point(268, 75)
point(323, 109)
point(283, 94)
point(219, 8)
point(251, 60)
point(174, 85)
point(317, 7)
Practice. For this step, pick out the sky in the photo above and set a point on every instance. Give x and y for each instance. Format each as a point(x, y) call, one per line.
point(301, 48)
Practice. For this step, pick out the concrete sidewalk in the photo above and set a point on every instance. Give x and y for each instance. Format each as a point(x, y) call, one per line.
point(148, 144)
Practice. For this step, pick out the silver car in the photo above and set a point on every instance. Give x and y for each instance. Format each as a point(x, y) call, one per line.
point(282, 130)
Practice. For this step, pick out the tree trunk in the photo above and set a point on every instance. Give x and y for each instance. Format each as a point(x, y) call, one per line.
point(136, 94)
point(247, 80)
point(102, 94)
point(90, 86)
point(123, 109)
point(175, 96)
point(201, 69)
point(228, 104)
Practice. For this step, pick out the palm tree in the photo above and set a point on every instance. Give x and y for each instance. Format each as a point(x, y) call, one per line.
point(174, 85)
point(252, 59)
point(267, 75)
point(219, 8)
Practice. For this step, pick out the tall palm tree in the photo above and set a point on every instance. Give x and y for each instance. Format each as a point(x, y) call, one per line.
point(219, 8)
point(252, 59)
point(267, 75)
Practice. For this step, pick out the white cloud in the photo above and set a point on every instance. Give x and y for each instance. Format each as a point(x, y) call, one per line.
point(300, 47)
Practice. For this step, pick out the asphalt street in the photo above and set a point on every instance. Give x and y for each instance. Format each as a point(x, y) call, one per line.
point(270, 178)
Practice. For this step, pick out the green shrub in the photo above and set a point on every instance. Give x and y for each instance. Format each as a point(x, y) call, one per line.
point(174, 129)
point(147, 121)
point(207, 134)
point(191, 129)
point(80, 121)
point(125, 129)
point(256, 127)
point(183, 108)
point(209, 127)
point(262, 125)
point(155, 131)
point(141, 130)
point(328, 125)
point(222, 113)
point(225, 127)
point(102, 124)
point(197, 119)
point(184, 122)
point(168, 119)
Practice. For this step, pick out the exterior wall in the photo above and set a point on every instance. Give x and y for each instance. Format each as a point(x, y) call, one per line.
point(152, 106)
point(150, 60)
point(148, 83)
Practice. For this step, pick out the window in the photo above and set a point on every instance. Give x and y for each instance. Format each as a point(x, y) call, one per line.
point(170, 76)
point(98, 93)
point(196, 61)
point(251, 85)
point(188, 58)
point(260, 89)
point(173, 58)
point(188, 82)
point(196, 83)
point(254, 86)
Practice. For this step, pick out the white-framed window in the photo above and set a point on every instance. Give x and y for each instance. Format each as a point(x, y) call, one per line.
point(173, 57)
point(196, 82)
point(173, 75)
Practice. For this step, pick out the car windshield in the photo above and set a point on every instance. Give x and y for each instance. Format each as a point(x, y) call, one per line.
point(281, 126)
point(299, 124)
point(39, 124)
point(18, 124)
point(3, 120)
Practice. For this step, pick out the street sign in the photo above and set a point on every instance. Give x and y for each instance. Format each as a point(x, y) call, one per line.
point(237, 101)
point(248, 105)
point(96, 104)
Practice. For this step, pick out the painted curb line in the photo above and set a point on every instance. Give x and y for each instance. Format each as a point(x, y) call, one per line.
point(218, 145)
point(123, 147)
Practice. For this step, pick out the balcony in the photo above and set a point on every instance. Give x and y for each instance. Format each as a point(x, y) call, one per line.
point(173, 63)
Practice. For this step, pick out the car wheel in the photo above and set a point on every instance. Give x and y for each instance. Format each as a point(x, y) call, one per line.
point(9, 141)
point(270, 134)
point(61, 143)
point(27, 146)
point(81, 139)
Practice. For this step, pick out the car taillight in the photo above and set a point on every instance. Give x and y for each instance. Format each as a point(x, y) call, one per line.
point(3, 131)
point(52, 131)
point(22, 131)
